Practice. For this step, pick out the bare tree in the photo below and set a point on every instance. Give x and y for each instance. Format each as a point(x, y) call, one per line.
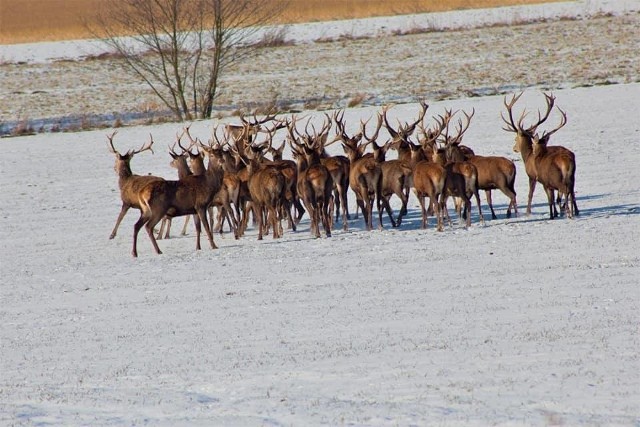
point(181, 48)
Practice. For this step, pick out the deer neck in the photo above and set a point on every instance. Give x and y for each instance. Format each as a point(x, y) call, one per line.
point(182, 167)
point(124, 171)
point(524, 146)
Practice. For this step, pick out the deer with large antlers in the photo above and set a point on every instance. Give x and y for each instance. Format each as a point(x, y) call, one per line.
point(289, 169)
point(315, 184)
point(428, 180)
point(191, 195)
point(494, 172)
point(267, 189)
point(365, 174)
point(187, 164)
point(553, 166)
point(129, 184)
point(338, 167)
point(396, 174)
point(178, 162)
point(462, 176)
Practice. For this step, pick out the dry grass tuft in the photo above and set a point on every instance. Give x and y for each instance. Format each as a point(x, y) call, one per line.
point(24, 127)
point(357, 100)
point(274, 38)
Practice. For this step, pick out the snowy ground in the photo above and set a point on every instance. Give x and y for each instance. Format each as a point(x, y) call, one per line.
point(523, 321)
point(48, 87)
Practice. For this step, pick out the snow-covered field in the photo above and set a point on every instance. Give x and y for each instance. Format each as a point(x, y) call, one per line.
point(523, 321)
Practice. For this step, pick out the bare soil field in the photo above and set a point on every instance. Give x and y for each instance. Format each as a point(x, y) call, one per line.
point(71, 95)
point(28, 21)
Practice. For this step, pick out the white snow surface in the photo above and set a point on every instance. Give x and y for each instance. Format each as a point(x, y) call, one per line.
point(522, 321)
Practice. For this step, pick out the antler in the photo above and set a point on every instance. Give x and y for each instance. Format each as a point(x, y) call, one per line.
point(511, 124)
point(408, 130)
point(462, 128)
point(110, 138)
point(550, 100)
point(145, 147)
point(563, 121)
point(255, 122)
point(363, 126)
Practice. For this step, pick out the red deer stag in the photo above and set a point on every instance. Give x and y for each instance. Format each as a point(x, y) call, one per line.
point(191, 195)
point(315, 184)
point(553, 166)
point(462, 177)
point(129, 184)
point(365, 174)
point(396, 175)
point(494, 172)
point(267, 189)
point(338, 167)
point(428, 180)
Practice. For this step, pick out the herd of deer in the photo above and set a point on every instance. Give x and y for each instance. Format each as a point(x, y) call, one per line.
point(240, 181)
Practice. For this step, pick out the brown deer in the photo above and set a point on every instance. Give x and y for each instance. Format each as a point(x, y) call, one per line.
point(396, 175)
point(289, 169)
point(235, 176)
point(365, 174)
point(338, 167)
point(178, 162)
point(195, 166)
point(428, 180)
point(315, 184)
point(494, 172)
point(553, 166)
point(267, 190)
point(189, 196)
point(129, 184)
point(228, 193)
point(462, 177)
point(400, 136)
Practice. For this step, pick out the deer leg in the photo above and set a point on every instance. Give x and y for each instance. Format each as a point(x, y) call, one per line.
point(403, 209)
point(299, 209)
point(149, 227)
point(342, 199)
point(551, 202)
point(477, 195)
point(136, 229)
point(288, 208)
point(197, 222)
point(439, 207)
point(123, 212)
point(467, 208)
point(166, 235)
point(217, 227)
point(439, 215)
point(184, 227)
point(387, 207)
point(443, 208)
point(258, 215)
point(423, 211)
point(163, 225)
point(329, 208)
point(487, 193)
point(338, 203)
point(202, 215)
point(532, 187)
